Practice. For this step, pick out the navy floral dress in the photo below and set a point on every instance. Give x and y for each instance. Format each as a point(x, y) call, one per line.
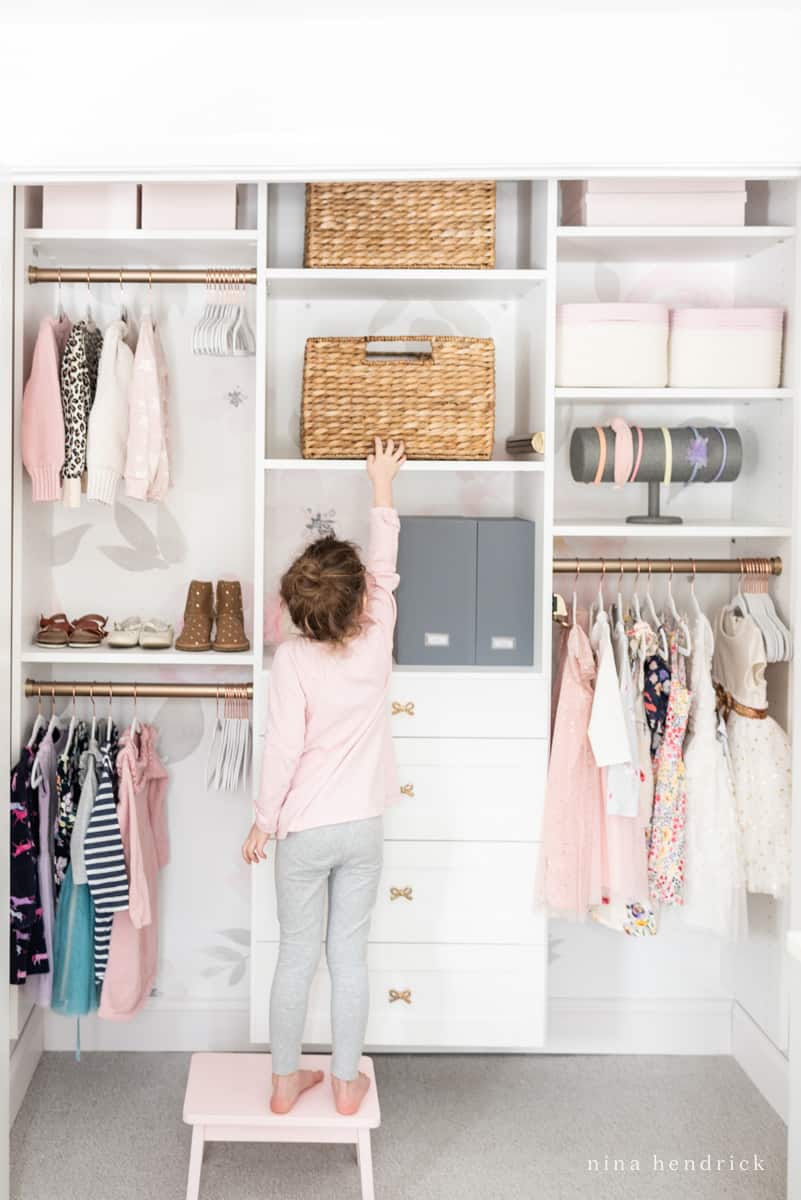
point(27, 933)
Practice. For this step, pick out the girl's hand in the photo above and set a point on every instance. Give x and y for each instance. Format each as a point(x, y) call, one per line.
point(382, 467)
point(254, 845)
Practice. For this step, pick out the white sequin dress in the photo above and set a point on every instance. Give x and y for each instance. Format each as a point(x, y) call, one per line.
point(759, 753)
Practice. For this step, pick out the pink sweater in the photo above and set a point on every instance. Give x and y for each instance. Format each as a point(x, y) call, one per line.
point(42, 414)
point(134, 949)
point(328, 754)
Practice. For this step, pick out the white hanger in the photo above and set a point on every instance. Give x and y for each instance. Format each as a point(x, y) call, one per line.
point(37, 725)
point(635, 595)
point(60, 313)
point(135, 725)
point(93, 730)
point(72, 724)
point(90, 321)
point(687, 648)
point(759, 604)
point(697, 610)
point(650, 611)
point(574, 607)
point(123, 308)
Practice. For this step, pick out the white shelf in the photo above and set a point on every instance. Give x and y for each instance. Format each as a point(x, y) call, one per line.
point(311, 284)
point(514, 466)
point(106, 656)
point(633, 243)
point(141, 235)
point(668, 395)
point(693, 529)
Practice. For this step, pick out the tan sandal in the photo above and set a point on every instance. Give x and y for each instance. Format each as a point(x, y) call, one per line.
point(88, 630)
point(54, 631)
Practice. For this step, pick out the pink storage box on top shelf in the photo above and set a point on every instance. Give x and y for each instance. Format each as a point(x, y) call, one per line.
point(726, 347)
point(611, 345)
point(583, 203)
point(189, 205)
point(90, 205)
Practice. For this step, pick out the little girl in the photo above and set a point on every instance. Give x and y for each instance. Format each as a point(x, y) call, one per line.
point(329, 771)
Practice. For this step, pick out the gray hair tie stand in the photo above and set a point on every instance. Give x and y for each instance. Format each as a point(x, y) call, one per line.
point(723, 464)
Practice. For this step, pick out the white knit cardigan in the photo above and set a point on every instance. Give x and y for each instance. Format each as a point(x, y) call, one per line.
point(108, 421)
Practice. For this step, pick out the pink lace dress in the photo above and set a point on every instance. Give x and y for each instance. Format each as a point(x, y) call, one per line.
point(666, 849)
point(573, 866)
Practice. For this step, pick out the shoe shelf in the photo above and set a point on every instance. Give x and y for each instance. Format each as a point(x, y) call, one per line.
point(107, 656)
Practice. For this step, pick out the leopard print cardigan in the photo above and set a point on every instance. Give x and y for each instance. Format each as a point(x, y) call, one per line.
point(78, 384)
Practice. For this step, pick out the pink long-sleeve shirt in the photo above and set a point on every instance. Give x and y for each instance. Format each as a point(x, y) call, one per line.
point(328, 754)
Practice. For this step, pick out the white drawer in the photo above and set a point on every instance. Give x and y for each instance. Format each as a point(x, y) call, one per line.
point(458, 705)
point(443, 892)
point(446, 997)
point(460, 789)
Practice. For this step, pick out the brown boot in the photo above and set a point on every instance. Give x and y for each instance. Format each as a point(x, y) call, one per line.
point(198, 617)
point(230, 634)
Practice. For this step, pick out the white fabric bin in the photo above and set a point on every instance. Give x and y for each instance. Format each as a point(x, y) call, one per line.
point(189, 206)
point(611, 345)
point(90, 205)
point(726, 347)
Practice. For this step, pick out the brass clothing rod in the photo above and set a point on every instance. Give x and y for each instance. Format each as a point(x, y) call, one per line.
point(664, 566)
point(139, 691)
point(210, 276)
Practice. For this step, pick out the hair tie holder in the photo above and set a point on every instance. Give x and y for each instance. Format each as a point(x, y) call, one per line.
point(668, 453)
point(599, 474)
point(725, 446)
point(624, 450)
point(638, 457)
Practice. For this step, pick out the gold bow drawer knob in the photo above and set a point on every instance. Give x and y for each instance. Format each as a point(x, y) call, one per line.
point(407, 789)
point(399, 707)
point(400, 893)
point(405, 996)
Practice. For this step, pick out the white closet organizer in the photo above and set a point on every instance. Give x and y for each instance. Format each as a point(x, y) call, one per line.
point(457, 954)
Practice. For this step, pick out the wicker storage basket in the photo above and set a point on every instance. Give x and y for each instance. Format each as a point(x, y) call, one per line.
point(400, 225)
point(439, 402)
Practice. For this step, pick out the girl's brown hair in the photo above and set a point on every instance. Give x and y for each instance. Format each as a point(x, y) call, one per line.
point(324, 590)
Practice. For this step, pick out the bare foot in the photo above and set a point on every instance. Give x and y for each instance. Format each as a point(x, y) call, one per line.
point(287, 1088)
point(349, 1093)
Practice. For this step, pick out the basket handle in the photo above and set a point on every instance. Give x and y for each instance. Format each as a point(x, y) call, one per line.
point(376, 350)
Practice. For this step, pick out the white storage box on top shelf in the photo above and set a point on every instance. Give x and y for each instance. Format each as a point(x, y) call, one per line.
point(653, 202)
point(726, 347)
point(612, 345)
point(189, 205)
point(90, 205)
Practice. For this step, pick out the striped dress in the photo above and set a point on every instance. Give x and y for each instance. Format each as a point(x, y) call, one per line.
point(104, 857)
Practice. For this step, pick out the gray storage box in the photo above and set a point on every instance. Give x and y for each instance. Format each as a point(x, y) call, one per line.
point(437, 591)
point(466, 592)
point(505, 592)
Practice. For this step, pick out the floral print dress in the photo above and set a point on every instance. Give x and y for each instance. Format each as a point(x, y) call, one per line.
point(666, 848)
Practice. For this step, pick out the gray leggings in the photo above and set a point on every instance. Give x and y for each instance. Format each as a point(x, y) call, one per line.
point(344, 863)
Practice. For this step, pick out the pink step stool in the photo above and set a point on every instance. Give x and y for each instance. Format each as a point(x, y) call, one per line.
point(228, 1100)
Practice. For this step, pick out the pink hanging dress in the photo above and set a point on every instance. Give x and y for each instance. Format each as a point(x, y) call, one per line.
point(573, 864)
point(133, 953)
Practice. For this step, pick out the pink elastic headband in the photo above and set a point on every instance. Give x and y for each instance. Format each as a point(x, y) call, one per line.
point(624, 451)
